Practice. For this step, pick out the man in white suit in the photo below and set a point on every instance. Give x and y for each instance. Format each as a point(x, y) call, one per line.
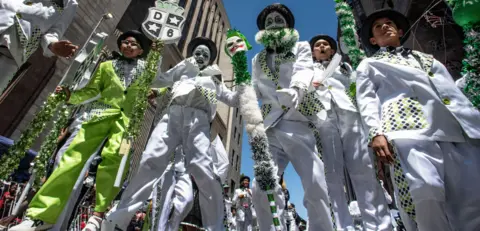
point(242, 202)
point(24, 25)
point(419, 121)
point(281, 74)
point(344, 140)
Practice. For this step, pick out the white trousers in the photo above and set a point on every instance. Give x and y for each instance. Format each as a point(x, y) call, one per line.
point(293, 141)
point(444, 183)
point(190, 128)
point(244, 224)
point(178, 204)
point(344, 145)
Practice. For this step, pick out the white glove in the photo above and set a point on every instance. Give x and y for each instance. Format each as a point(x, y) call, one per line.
point(290, 97)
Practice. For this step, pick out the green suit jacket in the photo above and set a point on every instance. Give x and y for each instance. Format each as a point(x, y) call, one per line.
point(108, 92)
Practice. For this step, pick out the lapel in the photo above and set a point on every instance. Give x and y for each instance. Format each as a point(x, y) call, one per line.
point(119, 69)
point(425, 60)
point(395, 59)
point(279, 60)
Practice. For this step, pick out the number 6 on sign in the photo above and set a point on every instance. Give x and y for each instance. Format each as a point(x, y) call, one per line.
point(164, 22)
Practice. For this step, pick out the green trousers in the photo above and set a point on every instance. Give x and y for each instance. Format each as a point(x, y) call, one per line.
point(48, 203)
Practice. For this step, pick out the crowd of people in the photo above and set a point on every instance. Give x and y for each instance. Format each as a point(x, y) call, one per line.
point(399, 110)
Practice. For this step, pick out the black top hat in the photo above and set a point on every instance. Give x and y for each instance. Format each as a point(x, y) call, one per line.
point(280, 8)
point(329, 39)
point(398, 18)
point(203, 41)
point(243, 178)
point(141, 40)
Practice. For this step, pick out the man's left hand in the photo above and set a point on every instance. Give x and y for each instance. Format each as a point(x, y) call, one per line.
point(63, 48)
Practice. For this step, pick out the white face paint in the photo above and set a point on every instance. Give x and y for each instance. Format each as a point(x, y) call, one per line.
point(235, 44)
point(202, 56)
point(275, 20)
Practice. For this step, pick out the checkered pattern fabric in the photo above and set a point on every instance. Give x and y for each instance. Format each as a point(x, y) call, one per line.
point(32, 44)
point(404, 114)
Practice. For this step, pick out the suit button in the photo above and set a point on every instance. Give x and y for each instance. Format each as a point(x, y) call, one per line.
point(446, 101)
point(121, 109)
point(125, 92)
point(431, 74)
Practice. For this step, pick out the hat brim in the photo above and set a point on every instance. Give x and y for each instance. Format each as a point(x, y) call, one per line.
point(398, 18)
point(141, 39)
point(280, 8)
point(203, 41)
point(243, 178)
point(330, 40)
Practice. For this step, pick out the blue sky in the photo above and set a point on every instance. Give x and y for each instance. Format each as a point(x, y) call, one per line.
point(312, 17)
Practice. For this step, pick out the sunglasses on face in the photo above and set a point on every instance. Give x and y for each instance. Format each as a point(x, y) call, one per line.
point(132, 43)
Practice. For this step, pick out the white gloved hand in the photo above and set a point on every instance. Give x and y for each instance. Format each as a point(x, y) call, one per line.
point(288, 97)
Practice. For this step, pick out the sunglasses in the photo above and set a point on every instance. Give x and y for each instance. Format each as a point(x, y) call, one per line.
point(132, 43)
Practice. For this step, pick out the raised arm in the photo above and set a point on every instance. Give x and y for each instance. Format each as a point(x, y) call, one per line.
point(168, 78)
point(92, 90)
point(227, 96)
point(55, 33)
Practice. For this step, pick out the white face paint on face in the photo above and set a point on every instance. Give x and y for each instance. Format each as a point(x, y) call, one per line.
point(235, 44)
point(275, 20)
point(202, 56)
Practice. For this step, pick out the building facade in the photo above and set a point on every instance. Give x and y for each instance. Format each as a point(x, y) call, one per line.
point(39, 76)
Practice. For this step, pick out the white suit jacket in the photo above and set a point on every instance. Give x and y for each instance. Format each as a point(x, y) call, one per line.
point(186, 77)
point(293, 69)
point(413, 98)
point(336, 87)
point(18, 21)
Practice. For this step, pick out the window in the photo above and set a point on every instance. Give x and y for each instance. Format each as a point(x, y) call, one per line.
point(213, 20)
point(199, 21)
point(236, 112)
point(206, 9)
point(238, 164)
point(234, 132)
point(231, 159)
point(181, 43)
point(240, 121)
point(232, 186)
point(238, 139)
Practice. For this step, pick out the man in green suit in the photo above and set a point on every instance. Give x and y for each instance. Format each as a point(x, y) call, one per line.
point(113, 90)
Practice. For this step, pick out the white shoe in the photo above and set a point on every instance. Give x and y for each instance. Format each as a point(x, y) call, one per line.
point(31, 225)
point(94, 224)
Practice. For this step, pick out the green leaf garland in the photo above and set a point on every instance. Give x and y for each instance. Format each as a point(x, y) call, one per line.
point(240, 68)
point(471, 61)
point(347, 26)
point(50, 144)
point(147, 78)
point(275, 39)
point(9, 162)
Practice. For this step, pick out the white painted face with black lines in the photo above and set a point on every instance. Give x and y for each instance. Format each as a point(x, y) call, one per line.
point(275, 20)
point(202, 56)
